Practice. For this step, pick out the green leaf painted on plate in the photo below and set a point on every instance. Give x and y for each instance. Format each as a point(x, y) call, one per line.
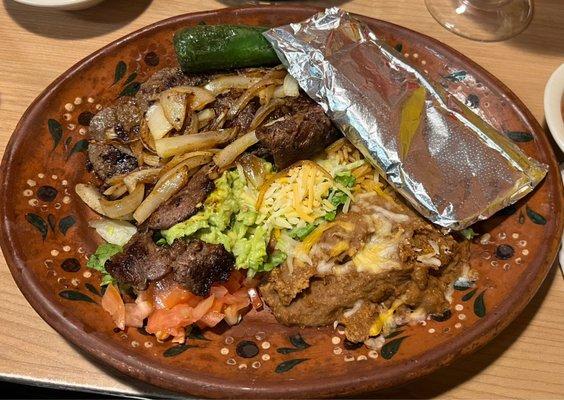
point(520, 137)
point(535, 216)
point(121, 68)
point(469, 295)
point(391, 348)
point(65, 223)
point(130, 78)
point(287, 350)
point(52, 222)
point(131, 89)
point(398, 47)
point(456, 76)
point(92, 289)
point(298, 341)
point(394, 334)
point(67, 143)
point(194, 332)
point(56, 131)
point(521, 217)
point(480, 305)
point(75, 295)
point(38, 222)
point(288, 365)
point(178, 349)
point(80, 146)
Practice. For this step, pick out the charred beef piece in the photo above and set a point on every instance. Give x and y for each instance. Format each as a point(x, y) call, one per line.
point(186, 202)
point(304, 131)
point(110, 159)
point(243, 119)
point(142, 260)
point(122, 117)
point(162, 80)
point(194, 264)
point(201, 264)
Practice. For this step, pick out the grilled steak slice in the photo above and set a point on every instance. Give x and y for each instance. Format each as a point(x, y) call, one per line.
point(110, 159)
point(304, 131)
point(193, 263)
point(186, 202)
point(243, 119)
point(162, 80)
point(142, 260)
point(121, 118)
point(202, 264)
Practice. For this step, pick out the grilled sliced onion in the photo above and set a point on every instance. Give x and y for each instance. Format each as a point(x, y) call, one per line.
point(194, 124)
point(116, 191)
point(174, 107)
point(171, 146)
point(157, 122)
point(254, 169)
point(146, 138)
point(151, 160)
point(205, 116)
point(250, 94)
point(199, 97)
point(226, 156)
point(91, 196)
point(289, 88)
point(228, 82)
point(148, 175)
point(191, 160)
point(164, 190)
point(264, 111)
point(266, 94)
point(125, 205)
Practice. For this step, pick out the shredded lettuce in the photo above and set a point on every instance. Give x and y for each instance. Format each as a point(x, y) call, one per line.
point(468, 233)
point(345, 179)
point(98, 260)
point(301, 233)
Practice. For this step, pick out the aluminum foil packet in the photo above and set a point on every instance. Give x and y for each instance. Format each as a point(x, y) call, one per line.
point(452, 166)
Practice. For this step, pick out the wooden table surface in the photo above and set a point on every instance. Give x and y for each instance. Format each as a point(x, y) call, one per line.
point(525, 361)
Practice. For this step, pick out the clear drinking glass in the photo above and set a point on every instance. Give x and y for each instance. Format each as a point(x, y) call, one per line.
point(483, 20)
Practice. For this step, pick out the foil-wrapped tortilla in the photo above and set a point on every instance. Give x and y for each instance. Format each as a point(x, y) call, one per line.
point(452, 166)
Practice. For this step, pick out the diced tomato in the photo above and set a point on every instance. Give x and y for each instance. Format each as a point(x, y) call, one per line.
point(212, 318)
point(113, 304)
point(176, 295)
point(163, 319)
point(219, 291)
point(201, 309)
point(136, 312)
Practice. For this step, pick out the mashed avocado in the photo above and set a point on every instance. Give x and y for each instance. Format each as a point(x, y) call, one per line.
point(229, 217)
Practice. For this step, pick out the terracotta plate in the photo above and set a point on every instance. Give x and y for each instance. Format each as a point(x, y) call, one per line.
point(46, 239)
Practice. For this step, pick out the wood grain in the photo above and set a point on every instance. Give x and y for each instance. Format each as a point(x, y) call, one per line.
point(525, 361)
